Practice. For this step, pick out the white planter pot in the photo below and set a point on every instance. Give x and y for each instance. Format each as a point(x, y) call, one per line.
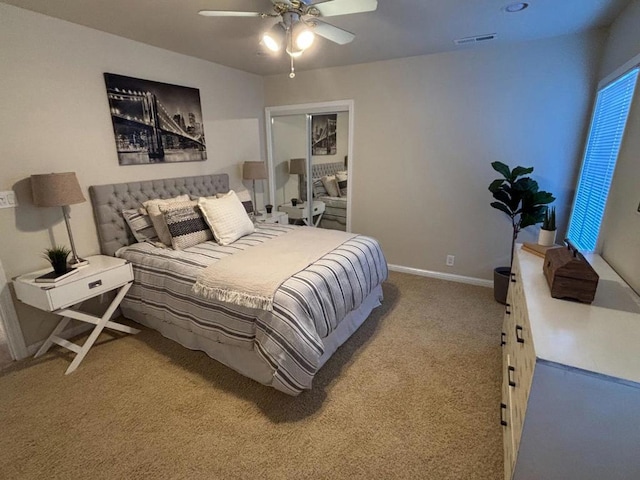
point(546, 238)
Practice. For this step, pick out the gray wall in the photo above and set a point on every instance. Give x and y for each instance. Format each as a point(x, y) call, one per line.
point(427, 128)
point(620, 235)
point(55, 118)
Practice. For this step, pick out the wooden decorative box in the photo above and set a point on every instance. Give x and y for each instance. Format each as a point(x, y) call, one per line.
point(569, 275)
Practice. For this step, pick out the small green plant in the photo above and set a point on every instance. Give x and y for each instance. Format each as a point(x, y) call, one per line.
point(549, 222)
point(57, 256)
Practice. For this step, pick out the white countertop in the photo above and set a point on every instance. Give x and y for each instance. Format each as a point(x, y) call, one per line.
point(603, 337)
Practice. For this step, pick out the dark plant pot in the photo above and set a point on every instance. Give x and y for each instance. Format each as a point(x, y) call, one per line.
point(60, 267)
point(294, 201)
point(501, 277)
point(268, 208)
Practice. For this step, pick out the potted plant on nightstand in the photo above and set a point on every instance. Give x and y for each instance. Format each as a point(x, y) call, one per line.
point(547, 235)
point(518, 196)
point(57, 256)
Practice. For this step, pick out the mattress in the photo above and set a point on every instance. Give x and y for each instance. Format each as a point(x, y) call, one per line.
point(308, 308)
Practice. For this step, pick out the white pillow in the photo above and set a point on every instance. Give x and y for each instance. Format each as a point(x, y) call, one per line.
point(226, 217)
point(245, 198)
point(157, 217)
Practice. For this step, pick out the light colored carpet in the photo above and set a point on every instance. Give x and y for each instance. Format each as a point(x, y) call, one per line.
point(413, 394)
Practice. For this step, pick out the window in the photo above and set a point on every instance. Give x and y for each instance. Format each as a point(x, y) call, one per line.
point(605, 136)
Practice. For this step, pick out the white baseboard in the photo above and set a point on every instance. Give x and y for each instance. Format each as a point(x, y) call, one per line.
point(66, 334)
point(442, 276)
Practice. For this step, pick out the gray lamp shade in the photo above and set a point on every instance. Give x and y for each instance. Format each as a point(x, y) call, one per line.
point(254, 171)
point(297, 166)
point(56, 190)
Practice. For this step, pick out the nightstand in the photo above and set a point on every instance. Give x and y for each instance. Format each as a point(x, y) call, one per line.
point(63, 298)
point(273, 217)
point(299, 212)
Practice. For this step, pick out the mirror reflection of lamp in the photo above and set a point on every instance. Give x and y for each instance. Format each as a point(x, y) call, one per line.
point(59, 190)
point(254, 171)
point(298, 166)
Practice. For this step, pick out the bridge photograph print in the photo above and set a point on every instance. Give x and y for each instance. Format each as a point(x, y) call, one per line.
point(155, 122)
point(323, 134)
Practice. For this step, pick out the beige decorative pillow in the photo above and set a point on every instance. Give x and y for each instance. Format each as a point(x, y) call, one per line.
point(227, 218)
point(331, 185)
point(157, 218)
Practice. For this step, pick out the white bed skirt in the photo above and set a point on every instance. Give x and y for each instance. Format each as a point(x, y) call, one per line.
point(247, 362)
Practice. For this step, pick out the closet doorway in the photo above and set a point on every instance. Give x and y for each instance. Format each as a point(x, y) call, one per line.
point(310, 156)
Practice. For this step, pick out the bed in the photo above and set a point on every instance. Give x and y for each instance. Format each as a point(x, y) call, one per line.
point(313, 313)
point(335, 214)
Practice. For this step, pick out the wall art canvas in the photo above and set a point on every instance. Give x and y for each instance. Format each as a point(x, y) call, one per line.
point(155, 122)
point(323, 134)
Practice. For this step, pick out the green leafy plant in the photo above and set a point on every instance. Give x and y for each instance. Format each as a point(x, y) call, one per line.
point(549, 221)
point(57, 256)
point(518, 196)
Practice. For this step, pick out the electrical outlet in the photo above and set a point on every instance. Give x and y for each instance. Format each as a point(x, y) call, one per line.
point(450, 260)
point(8, 199)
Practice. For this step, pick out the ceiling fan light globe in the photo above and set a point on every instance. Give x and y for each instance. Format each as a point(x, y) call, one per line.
point(270, 43)
point(294, 53)
point(274, 37)
point(304, 39)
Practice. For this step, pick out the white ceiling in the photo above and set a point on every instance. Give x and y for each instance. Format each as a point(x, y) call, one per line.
point(399, 28)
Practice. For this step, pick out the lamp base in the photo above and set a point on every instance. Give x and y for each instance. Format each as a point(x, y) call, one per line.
point(78, 262)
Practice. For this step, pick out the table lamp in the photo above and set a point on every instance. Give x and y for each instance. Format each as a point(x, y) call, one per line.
point(298, 166)
point(254, 171)
point(59, 190)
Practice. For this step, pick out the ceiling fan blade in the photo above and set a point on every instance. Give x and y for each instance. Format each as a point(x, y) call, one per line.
point(227, 13)
point(331, 32)
point(332, 8)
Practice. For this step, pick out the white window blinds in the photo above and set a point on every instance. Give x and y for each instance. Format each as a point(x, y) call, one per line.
point(605, 136)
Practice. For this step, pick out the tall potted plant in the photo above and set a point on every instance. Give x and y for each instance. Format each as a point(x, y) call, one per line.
point(518, 196)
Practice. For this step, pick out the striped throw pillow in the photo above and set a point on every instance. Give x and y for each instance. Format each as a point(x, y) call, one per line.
point(341, 177)
point(140, 225)
point(186, 224)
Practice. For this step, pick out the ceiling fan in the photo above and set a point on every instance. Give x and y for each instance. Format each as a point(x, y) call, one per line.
point(299, 23)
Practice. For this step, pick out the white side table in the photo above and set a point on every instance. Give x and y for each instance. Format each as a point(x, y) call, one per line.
point(299, 212)
point(102, 275)
point(273, 217)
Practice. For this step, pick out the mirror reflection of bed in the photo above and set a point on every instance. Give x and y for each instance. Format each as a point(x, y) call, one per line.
point(328, 178)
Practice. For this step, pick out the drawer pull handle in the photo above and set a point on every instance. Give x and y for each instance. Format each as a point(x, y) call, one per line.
point(507, 308)
point(95, 284)
point(513, 277)
point(519, 336)
point(503, 422)
point(503, 339)
point(511, 370)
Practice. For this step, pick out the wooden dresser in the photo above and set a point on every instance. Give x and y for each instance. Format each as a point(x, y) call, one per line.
point(570, 404)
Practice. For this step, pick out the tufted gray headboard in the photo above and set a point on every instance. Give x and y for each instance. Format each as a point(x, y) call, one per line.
point(321, 169)
point(109, 200)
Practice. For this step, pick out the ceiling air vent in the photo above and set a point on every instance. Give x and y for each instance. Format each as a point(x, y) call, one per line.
point(476, 39)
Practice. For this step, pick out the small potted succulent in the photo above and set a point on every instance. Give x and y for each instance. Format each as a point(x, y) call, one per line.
point(547, 235)
point(57, 256)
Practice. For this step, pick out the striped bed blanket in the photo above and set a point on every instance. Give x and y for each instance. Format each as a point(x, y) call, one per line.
point(306, 308)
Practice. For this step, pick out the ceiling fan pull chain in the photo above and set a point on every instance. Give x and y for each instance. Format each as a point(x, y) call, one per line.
point(293, 71)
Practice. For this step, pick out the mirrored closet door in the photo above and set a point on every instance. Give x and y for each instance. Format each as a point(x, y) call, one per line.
point(308, 154)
